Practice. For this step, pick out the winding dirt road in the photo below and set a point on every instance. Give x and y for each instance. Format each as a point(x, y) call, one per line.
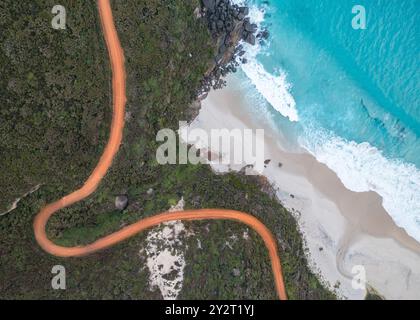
point(119, 99)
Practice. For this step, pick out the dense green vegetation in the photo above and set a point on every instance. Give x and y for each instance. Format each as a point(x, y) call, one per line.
point(55, 111)
point(53, 90)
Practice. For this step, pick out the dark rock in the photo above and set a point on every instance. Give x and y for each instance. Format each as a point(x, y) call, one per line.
point(220, 24)
point(250, 39)
point(250, 27)
point(196, 201)
point(244, 10)
point(265, 34)
point(213, 26)
point(244, 34)
point(223, 47)
point(227, 24)
point(209, 4)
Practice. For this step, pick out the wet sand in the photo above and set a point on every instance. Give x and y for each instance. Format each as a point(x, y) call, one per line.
point(342, 229)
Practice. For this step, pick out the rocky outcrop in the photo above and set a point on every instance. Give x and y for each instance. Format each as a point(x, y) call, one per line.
point(121, 202)
point(228, 24)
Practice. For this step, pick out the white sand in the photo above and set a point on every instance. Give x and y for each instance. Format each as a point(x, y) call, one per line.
point(166, 256)
point(342, 229)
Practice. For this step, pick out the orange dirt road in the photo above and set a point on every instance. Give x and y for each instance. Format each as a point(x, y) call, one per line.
point(116, 55)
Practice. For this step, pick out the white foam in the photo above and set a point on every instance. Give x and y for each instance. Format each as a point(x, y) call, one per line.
point(274, 88)
point(362, 167)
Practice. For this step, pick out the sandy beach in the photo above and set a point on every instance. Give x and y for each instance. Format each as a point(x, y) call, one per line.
point(342, 229)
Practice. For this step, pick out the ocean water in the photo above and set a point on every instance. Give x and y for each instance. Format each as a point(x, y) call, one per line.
point(350, 97)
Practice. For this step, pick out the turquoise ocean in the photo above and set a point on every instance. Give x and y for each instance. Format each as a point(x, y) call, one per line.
point(349, 97)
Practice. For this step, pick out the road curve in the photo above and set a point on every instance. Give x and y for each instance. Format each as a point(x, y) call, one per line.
point(116, 55)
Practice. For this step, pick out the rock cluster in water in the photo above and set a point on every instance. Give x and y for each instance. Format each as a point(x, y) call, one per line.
point(228, 24)
point(223, 17)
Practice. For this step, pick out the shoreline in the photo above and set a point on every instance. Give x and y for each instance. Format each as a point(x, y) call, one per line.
point(341, 228)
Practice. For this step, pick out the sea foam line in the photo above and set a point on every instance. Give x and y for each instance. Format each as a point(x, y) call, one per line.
point(362, 167)
point(275, 89)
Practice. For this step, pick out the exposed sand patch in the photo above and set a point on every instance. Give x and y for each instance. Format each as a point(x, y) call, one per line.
point(166, 256)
